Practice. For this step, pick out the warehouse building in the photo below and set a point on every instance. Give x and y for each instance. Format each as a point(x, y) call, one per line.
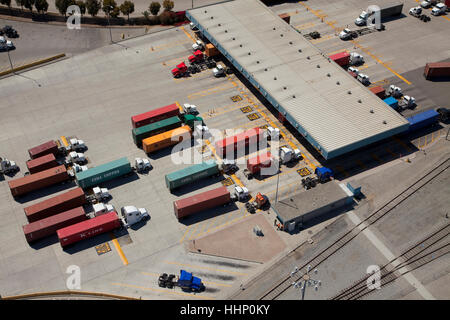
point(296, 210)
point(326, 105)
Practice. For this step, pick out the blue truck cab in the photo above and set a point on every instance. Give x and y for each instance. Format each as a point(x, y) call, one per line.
point(324, 174)
point(187, 282)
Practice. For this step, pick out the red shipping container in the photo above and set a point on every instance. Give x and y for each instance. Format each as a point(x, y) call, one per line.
point(341, 58)
point(42, 163)
point(255, 164)
point(88, 229)
point(286, 17)
point(43, 149)
point(378, 91)
point(38, 180)
point(437, 70)
point(68, 200)
point(200, 202)
point(244, 138)
point(48, 226)
point(155, 115)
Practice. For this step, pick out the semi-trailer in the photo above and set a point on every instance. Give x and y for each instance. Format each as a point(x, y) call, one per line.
point(423, 119)
point(154, 128)
point(391, 102)
point(341, 58)
point(264, 160)
point(48, 226)
point(103, 173)
point(192, 120)
point(156, 115)
point(191, 174)
point(88, 228)
point(437, 70)
point(49, 207)
point(243, 139)
point(166, 139)
point(42, 163)
point(38, 180)
point(43, 149)
point(379, 92)
point(200, 202)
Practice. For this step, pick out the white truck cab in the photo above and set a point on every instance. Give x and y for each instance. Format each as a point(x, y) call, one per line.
point(190, 108)
point(101, 193)
point(76, 157)
point(218, 71)
point(408, 101)
point(362, 19)
point(415, 11)
point(428, 3)
point(142, 164)
point(132, 215)
point(363, 78)
point(272, 133)
point(395, 91)
point(201, 131)
point(354, 70)
point(438, 9)
point(241, 193)
point(5, 44)
point(198, 45)
point(356, 58)
point(77, 168)
point(101, 208)
point(192, 26)
point(8, 166)
point(77, 145)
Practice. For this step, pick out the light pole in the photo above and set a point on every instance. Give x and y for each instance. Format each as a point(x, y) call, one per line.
point(305, 280)
point(109, 24)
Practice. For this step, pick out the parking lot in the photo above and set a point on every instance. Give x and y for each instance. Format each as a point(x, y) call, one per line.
point(92, 95)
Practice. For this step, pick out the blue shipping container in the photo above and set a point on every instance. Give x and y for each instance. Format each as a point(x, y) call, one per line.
point(422, 119)
point(391, 102)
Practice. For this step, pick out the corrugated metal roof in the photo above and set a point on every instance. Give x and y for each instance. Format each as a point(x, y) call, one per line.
point(333, 108)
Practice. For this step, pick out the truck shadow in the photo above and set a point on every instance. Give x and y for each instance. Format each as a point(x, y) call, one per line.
point(45, 192)
point(209, 214)
point(87, 243)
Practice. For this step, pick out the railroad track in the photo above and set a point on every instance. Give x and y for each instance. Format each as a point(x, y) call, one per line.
point(432, 247)
point(286, 283)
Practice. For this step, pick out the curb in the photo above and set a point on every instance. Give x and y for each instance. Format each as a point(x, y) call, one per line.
point(67, 293)
point(32, 64)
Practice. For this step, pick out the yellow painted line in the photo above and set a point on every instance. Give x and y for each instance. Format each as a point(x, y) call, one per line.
point(337, 51)
point(214, 113)
point(32, 64)
point(209, 91)
point(179, 106)
point(187, 34)
point(305, 26)
point(226, 224)
point(205, 268)
point(379, 61)
point(193, 232)
point(119, 249)
point(322, 39)
point(64, 141)
point(185, 233)
point(163, 291)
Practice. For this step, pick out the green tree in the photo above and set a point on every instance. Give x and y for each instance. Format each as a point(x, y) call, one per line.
point(62, 5)
point(154, 7)
point(109, 6)
point(93, 7)
point(6, 3)
point(20, 3)
point(82, 6)
point(28, 4)
point(41, 6)
point(115, 12)
point(168, 5)
point(127, 8)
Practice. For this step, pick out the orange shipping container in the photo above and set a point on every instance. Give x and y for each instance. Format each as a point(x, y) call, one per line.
point(166, 139)
point(211, 50)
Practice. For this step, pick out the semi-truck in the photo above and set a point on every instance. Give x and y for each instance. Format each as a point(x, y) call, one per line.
point(158, 114)
point(166, 139)
point(386, 11)
point(154, 128)
point(103, 173)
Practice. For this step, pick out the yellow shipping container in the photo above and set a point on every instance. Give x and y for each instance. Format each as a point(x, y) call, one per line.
point(165, 139)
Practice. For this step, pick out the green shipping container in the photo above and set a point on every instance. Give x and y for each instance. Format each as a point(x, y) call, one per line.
point(102, 173)
point(190, 174)
point(190, 119)
point(155, 128)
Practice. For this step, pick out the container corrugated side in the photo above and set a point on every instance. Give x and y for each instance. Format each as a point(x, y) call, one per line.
point(43, 149)
point(166, 139)
point(423, 119)
point(42, 163)
point(102, 173)
point(88, 229)
point(38, 180)
point(154, 128)
point(190, 174)
point(200, 202)
point(155, 115)
point(244, 138)
point(255, 164)
point(65, 201)
point(48, 226)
